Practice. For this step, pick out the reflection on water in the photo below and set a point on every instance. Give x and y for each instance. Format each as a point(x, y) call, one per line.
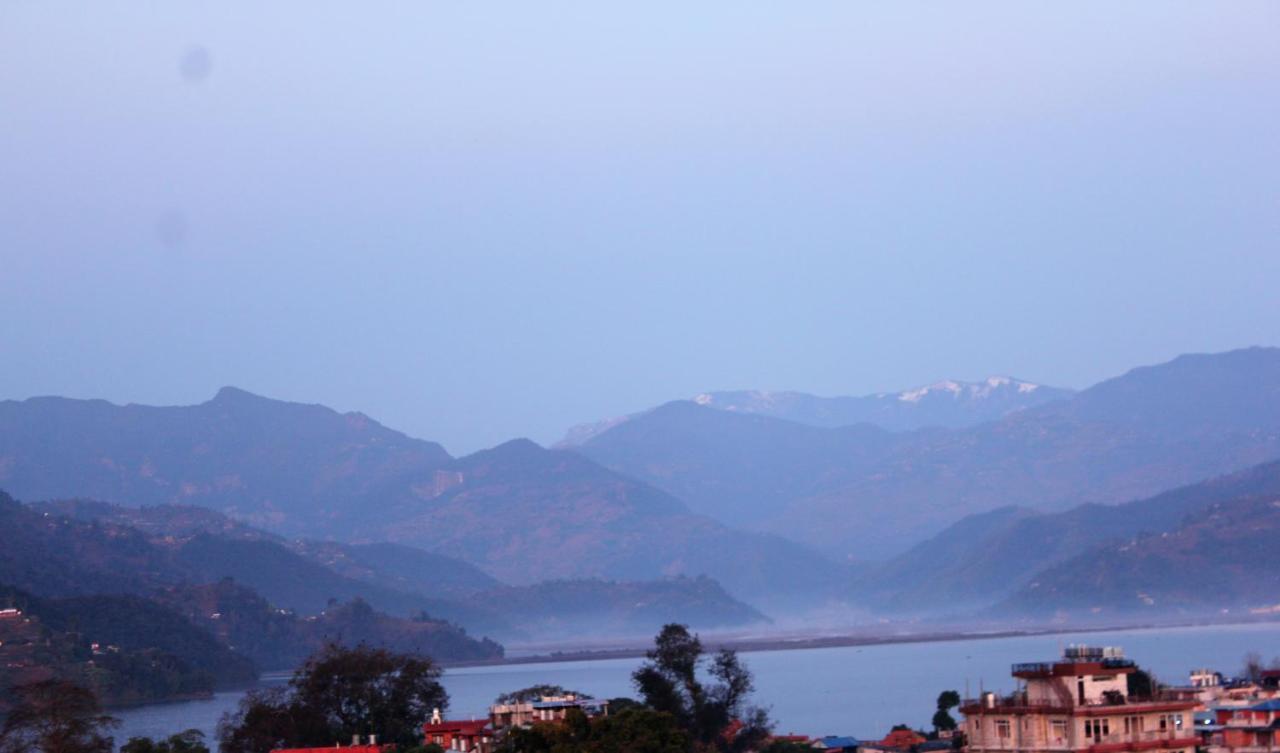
point(854, 690)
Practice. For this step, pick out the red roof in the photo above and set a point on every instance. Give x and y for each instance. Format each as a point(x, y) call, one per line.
point(473, 727)
point(343, 749)
point(901, 738)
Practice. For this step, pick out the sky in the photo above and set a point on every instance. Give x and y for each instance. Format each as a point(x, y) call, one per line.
point(481, 221)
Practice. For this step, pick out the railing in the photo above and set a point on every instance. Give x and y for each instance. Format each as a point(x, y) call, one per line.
point(1136, 737)
point(1032, 666)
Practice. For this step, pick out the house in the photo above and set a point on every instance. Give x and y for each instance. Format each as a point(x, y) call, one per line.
point(1080, 703)
point(356, 746)
point(475, 735)
point(1252, 729)
point(901, 739)
point(835, 744)
point(545, 709)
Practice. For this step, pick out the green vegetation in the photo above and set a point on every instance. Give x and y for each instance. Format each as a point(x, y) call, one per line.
point(55, 716)
point(125, 649)
point(339, 692)
point(636, 730)
point(715, 717)
point(533, 693)
point(942, 719)
point(190, 741)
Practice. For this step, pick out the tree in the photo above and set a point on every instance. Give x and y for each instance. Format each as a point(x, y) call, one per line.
point(1140, 685)
point(55, 716)
point(1252, 670)
point(532, 693)
point(635, 730)
point(786, 746)
point(337, 694)
point(716, 717)
point(189, 741)
point(942, 719)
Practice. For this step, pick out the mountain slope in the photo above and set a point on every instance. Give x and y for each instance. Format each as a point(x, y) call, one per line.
point(49, 555)
point(1221, 559)
point(989, 556)
point(735, 466)
point(527, 514)
point(287, 466)
point(520, 512)
point(309, 576)
point(1152, 429)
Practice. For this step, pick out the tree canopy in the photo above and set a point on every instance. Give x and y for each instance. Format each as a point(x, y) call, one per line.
point(338, 693)
point(533, 693)
point(635, 730)
point(942, 719)
point(55, 716)
point(715, 716)
point(189, 741)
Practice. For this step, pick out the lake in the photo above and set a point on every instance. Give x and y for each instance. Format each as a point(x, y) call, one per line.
point(850, 690)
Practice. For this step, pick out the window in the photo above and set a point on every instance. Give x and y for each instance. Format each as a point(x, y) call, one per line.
point(1059, 729)
point(1002, 728)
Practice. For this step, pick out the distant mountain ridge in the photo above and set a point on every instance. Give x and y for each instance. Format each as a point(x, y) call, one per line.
point(857, 494)
point(307, 576)
point(267, 462)
point(991, 556)
point(521, 513)
point(1218, 560)
point(948, 403)
point(57, 557)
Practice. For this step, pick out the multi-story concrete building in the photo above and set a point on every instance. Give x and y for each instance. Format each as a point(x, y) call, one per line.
point(1251, 729)
point(545, 709)
point(1081, 704)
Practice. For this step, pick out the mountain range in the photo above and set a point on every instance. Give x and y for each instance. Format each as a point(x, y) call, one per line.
point(714, 510)
point(522, 513)
point(949, 403)
point(999, 556)
point(864, 493)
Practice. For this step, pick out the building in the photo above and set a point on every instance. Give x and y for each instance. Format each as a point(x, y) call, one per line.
point(836, 744)
point(1251, 729)
point(356, 746)
point(545, 709)
point(1081, 704)
point(473, 735)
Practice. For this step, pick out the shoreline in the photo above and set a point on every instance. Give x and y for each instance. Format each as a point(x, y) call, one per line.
point(750, 645)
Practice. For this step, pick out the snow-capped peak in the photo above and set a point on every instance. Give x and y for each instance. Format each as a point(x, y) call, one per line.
point(971, 390)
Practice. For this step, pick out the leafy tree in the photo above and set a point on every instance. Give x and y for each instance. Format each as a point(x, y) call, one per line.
point(1252, 670)
point(618, 705)
point(55, 716)
point(786, 746)
point(338, 693)
point(635, 730)
point(190, 741)
point(716, 717)
point(532, 693)
point(942, 719)
point(1140, 685)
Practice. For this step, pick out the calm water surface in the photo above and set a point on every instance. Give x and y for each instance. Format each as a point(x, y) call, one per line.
point(853, 690)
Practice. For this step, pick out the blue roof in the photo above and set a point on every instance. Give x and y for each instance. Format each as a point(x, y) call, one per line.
point(1272, 705)
point(835, 741)
point(563, 704)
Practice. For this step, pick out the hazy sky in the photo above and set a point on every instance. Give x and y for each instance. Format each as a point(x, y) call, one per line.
point(476, 221)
